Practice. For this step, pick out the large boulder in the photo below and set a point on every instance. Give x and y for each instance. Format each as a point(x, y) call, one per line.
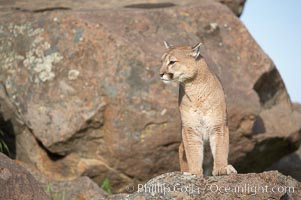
point(82, 188)
point(17, 183)
point(23, 182)
point(80, 89)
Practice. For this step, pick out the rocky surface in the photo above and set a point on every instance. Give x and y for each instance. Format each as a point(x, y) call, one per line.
point(81, 92)
point(17, 183)
point(176, 185)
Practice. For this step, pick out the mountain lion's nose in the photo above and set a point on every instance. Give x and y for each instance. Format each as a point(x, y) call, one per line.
point(161, 75)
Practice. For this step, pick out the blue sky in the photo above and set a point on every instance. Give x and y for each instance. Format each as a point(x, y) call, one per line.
point(276, 26)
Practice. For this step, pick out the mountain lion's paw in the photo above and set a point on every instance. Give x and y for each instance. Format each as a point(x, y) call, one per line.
point(229, 169)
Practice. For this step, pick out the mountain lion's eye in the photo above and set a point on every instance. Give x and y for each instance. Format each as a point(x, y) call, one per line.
point(172, 62)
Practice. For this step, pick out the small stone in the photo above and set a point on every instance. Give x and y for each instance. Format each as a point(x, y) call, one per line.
point(5, 174)
point(213, 25)
point(163, 112)
point(73, 74)
point(187, 173)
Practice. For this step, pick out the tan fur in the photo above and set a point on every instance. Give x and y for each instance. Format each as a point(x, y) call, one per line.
point(203, 109)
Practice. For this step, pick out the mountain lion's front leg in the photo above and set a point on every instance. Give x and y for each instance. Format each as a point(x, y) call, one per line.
point(219, 143)
point(183, 159)
point(193, 146)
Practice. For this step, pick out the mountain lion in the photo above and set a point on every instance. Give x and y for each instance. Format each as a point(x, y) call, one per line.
point(202, 106)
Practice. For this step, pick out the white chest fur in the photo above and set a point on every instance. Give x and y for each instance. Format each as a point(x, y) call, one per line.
point(198, 121)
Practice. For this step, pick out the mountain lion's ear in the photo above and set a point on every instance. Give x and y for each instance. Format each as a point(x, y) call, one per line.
point(167, 45)
point(196, 50)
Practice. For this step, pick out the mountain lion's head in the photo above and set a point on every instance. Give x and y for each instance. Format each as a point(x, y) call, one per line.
point(179, 63)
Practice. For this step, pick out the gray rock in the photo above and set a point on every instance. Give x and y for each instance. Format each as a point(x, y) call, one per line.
point(80, 188)
point(17, 183)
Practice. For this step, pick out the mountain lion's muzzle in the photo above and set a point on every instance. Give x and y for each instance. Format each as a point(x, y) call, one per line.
point(166, 77)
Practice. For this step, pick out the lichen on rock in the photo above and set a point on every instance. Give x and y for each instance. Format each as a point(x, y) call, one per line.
point(34, 47)
point(37, 60)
